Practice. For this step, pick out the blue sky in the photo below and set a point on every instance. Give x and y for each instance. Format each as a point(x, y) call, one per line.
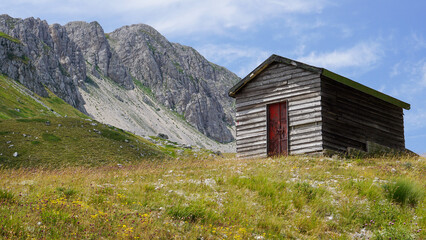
point(379, 43)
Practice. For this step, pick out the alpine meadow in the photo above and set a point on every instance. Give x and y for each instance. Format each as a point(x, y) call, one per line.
point(289, 119)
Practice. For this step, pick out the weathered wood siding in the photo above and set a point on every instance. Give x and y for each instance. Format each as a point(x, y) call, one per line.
point(351, 118)
point(280, 82)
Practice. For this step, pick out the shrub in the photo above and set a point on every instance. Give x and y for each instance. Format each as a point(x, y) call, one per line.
point(403, 191)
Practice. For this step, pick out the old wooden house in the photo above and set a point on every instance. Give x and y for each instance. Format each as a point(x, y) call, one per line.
point(287, 107)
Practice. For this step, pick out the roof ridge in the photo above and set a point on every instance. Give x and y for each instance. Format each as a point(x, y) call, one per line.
point(323, 72)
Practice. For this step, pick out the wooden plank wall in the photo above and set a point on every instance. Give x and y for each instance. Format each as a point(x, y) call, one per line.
point(351, 118)
point(280, 82)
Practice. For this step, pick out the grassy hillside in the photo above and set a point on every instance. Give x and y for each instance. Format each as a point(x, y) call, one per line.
point(58, 142)
point(18, 102)
point(75, 178)
point(47, 132)
point(284, 198)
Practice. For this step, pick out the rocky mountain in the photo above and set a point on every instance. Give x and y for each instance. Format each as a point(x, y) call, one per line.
point(90, 38)
point(134, 67)
point(180, 78)
point(42, 56)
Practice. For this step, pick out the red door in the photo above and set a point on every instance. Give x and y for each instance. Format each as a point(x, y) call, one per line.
point(277, 129)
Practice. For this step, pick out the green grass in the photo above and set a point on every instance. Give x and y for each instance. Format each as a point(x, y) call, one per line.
point(225, 198)
point(43, 139)
point(75, 178)
point(66, 192)
point(196, 211)
point(4, 35)
point(404, 191)
point(144, 88)
point(152, 48)
point(31, 120)
point(14, 103)
point(91, 82)
point(22, 58)
point(6, 196)
point(50, 137)
point(114, 135)
point(178, 67)
point(69, 142)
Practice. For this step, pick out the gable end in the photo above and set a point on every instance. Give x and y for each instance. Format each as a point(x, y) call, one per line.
point(324, 73)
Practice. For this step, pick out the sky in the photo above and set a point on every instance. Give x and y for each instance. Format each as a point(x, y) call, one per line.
point(379, 43)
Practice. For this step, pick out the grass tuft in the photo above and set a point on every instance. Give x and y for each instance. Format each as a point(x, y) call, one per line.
point(113, 135)
point(68, 192)
point(194, 212)
point(404, 191)
point(306, 190)
point(50, 137)
point(6, 196)
point(27, 120)
point(299, 197)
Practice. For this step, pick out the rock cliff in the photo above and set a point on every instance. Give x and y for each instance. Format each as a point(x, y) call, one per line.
point(54, 61)
point(179, 77)
point(90, 37)
point(63, 59)
point(14, 62)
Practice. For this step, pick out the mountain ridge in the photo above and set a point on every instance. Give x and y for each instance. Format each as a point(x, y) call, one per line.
point(168, 68)
point(66, 59)
point(53, 60)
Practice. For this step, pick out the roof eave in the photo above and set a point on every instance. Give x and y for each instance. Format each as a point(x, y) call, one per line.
point(247, 79)
point(323, 72)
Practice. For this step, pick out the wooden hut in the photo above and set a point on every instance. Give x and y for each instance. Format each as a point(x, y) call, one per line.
point(287, 107)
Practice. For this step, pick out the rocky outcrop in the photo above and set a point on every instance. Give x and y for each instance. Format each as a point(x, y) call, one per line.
point(60, 58)
point(91, 39)
point(54, 60)
point(14, 63)
point(179, 77)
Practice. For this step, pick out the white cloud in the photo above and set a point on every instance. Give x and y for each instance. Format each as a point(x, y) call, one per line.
point(396, 69)
point(415, 119)
point(418, 41)
point(412, 77)
point(217, 16)
point(170, 16)
point(239, 59)
point(409, 78)
point(364, 54)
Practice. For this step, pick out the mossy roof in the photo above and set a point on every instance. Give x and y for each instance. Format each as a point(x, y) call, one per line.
point(322, 72)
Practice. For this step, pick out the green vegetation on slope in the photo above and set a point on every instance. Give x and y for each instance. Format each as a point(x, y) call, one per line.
point(49, 133)
point(60, 106)
point(57, 142)
point(16, 103)
point(72, 177)
point(10, 38)
point(283, 198)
